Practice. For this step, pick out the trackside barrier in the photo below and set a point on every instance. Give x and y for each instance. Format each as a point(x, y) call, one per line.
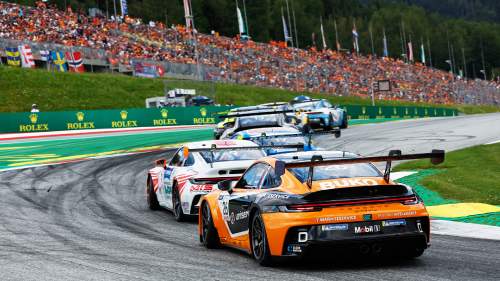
point(21, 122)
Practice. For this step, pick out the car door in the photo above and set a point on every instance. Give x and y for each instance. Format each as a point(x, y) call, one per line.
point(235, 206)
point(170, 170)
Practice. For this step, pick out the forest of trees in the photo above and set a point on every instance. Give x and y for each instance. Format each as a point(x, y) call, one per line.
point(463, 28)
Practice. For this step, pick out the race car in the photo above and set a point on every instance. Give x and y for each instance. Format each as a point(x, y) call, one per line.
point(194, 170)
point(320, 113)
point(280, 136)
point(230, 118)
point(296, 204)
point(258, 119)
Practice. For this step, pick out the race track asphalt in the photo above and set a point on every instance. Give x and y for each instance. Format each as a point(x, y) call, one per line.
point(89, 221)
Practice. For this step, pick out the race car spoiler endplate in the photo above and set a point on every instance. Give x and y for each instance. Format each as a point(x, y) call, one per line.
point(436, 156)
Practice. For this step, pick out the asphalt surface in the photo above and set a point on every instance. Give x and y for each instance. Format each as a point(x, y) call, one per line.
point(89, 221)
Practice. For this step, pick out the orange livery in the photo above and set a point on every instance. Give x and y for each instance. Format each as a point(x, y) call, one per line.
point(298, 203)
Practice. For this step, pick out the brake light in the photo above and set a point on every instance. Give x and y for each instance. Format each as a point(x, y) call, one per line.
point(411, 201)
point(302, 208)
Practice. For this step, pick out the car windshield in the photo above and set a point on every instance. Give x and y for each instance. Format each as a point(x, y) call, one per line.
point(282, 140)
point(337, 171)
point(258, 120)
point(227, 155)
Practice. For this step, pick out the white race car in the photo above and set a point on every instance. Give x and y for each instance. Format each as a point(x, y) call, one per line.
point(194, 170)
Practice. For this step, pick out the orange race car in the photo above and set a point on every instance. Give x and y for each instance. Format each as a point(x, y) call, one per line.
point(297, 203)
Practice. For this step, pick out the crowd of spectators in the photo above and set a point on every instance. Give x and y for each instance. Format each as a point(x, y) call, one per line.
point(242, 61)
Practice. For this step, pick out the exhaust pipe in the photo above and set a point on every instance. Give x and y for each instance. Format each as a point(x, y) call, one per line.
point(364, 249)
point(376, 248)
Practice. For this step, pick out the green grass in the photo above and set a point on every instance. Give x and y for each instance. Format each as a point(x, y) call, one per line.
point(468, 175)
point(54, 91)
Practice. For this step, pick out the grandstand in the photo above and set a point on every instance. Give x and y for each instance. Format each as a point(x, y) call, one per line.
point(177, 52)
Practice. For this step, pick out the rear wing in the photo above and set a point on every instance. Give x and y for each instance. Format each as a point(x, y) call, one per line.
point(436, 157)
point(259, 112)
point(214, 148)
point(336, 132)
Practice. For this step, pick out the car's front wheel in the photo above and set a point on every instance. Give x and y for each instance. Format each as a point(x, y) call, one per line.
point(177, 205)
point(209, 236)
point(258, 241)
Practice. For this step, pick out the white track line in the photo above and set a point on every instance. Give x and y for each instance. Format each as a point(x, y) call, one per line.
point(462, 229)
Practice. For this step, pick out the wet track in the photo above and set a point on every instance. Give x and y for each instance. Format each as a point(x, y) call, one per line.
point(89, 221)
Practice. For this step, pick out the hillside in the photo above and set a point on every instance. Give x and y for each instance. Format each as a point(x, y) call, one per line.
point(54, 91)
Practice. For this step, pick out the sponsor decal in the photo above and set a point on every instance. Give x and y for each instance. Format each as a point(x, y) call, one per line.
point(335, 227)
point(34, 126)
point(294, 248)
point(397, 214)
point(80, 124)
point(367, 229)
point(367, 217)
point(204, 119)
point(124, 123)
point(239, 216)
point(276, 196)
point(164, 121)
point(337, 218)
point(393, 223)
point(201, 187)
point(346, 182)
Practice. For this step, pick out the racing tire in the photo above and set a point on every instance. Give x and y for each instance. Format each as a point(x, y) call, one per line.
point(209, 236)
point(151, 196)
point(344, 124)
point(330, 123)
point(177, 205)
point(258, 241)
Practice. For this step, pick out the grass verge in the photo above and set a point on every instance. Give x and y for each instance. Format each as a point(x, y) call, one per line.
point(54, 91)
point(467, 175)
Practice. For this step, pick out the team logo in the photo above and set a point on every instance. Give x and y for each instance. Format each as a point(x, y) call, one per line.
point(164, 113)
point(367, 217)
point(33, 118)
point(435, 112)
point(426, 112)
point(406, 111)
point(394, 110)
point(123, 114)
point(364, 110)
point(232, 218)
point(416, 111)
point(379, 111)
point(203, 112)
point(80, 116)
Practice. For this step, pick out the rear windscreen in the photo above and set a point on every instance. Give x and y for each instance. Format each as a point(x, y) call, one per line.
point(337, 172)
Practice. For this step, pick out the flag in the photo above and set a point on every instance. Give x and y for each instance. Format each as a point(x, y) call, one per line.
point(241, 25)
point(285, 29)
point(75, 61)
point(59, 60)
point(124, 7)
point(323, 35)
point(147, 70)
point(44, 55)
point(27, 59)
point(13, 57)
point(355, 38)
point(422, 52)
point(410, 52)
point(386, 51)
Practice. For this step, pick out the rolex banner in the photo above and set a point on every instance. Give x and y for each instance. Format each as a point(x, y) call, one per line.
point(173, 116)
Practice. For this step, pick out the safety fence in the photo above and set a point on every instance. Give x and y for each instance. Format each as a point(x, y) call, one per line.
point(172, 116)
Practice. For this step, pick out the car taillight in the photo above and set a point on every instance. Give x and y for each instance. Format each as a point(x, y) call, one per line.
point(411, 201)
point(302, 208)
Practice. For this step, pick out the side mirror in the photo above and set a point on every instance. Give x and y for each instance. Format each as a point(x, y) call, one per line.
point(161, 163)
point(226, 185)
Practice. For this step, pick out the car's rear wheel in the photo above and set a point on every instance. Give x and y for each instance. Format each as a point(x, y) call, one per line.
point(209, 236)
point(151, 196)
point(330, 123)
point(177, 205)
point(258, 241)
point(344, 121)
